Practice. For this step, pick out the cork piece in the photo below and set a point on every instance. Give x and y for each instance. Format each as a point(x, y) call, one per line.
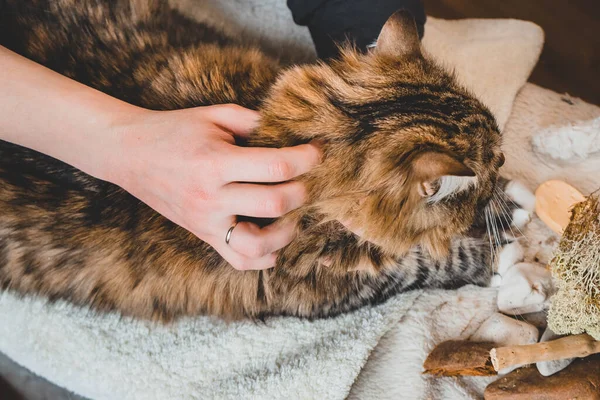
point(460, 358)
point(554, 200)
point(581, 380)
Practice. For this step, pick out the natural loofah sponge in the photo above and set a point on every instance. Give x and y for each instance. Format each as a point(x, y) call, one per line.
point(575, 308)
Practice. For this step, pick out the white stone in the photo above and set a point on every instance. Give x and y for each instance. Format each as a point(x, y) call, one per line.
point(525, 288)
point(548, 368)
point(496, 280)
point(508, 370)
point(508, 256)
point(520, 218)
point(537, 319)
point(505, 331)
point(521, 195)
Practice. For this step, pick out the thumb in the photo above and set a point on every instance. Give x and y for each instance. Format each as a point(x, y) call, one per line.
point(236, 119)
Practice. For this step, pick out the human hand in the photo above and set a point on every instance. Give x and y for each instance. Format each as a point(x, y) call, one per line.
point(185, 165)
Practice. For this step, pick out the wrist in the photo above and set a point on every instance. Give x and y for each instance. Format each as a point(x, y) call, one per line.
point(78, 126)
point(115, 137)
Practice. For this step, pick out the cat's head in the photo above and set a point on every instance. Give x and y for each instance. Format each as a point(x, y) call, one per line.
point(410, 157)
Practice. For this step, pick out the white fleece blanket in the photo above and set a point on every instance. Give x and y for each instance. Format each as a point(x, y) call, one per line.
point(106, 357)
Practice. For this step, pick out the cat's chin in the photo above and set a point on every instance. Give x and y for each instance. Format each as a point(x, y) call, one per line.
point(437, 250)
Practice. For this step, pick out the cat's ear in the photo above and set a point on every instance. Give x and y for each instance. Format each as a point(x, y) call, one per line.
point(399, 36)
point(430, 166)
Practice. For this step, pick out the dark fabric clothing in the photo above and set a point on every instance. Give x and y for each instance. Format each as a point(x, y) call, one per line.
point(334, 21)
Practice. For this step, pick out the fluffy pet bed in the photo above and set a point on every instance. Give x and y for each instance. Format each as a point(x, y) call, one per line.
point(107, 357)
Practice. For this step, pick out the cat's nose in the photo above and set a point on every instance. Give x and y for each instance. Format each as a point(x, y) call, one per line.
point(501, 161)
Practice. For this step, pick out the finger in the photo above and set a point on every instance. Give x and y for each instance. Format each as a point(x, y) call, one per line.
point(326, 261)
point(238, 120)
point(259, 164)
point(239, 261)
point(350, 225)
point(262, 201)
point(254, 242)
point(360, 232)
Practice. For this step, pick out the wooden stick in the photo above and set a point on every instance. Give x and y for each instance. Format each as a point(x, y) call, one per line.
point(568, 347)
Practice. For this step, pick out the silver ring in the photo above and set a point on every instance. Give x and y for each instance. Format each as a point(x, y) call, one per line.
point(229, 231)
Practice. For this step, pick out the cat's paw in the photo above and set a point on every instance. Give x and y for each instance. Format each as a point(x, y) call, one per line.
point(524, 199)
point(513, 209)
point(505, 259)
point(508, 256)
point(520, 195)
point(520, 218)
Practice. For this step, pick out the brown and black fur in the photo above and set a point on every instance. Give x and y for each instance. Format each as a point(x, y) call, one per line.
point(66, 235)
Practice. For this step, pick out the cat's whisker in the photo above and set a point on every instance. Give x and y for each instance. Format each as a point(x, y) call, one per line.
point(517, 228)
point(493, 225)
point(487, 227)
point(499, 218)
point(501, 212)
point(505, 204)
point(496, 233)
point(519, 231)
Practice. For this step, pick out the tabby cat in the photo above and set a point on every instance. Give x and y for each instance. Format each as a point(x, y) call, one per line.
point(409, 156)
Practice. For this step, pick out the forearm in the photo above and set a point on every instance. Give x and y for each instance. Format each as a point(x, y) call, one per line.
point(334, 21)
point(45, 111)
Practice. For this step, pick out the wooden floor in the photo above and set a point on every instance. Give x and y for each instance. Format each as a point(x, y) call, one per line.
point(570, 61)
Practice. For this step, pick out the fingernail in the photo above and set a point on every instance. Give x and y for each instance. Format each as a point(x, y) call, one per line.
point(348, 225)
point(255, 119)
point(319, 144)
point(275, 257)
point(326, 261)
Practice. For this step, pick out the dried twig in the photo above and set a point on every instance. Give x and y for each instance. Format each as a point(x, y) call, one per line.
point(568, 347)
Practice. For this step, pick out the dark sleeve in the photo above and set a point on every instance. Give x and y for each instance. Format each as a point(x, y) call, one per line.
point(334, 21)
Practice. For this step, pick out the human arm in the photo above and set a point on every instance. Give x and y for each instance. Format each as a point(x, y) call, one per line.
point(184, 163)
